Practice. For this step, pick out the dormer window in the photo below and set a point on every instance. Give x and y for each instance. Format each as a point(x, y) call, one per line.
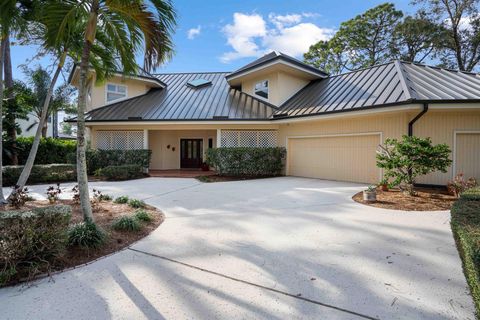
point(116, 92)
point(261, 89)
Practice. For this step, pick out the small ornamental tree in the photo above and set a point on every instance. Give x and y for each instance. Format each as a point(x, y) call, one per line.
point(403, 161)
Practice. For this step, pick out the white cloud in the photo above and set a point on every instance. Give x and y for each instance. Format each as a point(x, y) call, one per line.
point(194, 32)
point(250, 35)
point(297, 39)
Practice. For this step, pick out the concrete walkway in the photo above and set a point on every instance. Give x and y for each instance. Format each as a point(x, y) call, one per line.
point(281, 248)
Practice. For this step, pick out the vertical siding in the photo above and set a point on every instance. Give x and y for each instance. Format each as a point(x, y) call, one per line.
point(467, 152)
point(440, 126)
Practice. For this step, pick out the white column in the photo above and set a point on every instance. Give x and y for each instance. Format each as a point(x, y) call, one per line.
point(145, 138)
point(219, 138)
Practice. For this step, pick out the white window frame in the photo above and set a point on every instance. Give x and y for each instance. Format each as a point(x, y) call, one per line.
point(107, 91)
point(268, 89)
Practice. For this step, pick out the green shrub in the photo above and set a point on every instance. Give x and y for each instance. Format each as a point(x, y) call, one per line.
point(121, 200)
point(143, 215)
point(117, 173)
point(471, 194)
point(98, 159)
point(135, 203)
point(126, 223)
point(31, 240)
point(43, 173)
point(86, 235)
point(50, 150)
point(247, 161)
point(466, 229)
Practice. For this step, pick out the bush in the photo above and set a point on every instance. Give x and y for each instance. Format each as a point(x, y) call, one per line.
point(409, 158)
point(466, 229)
point(135, 203)
point(143, 215)
point(247, 161)
point(31, 240)
point(126, 223)
point(471, 194)
point(43, 173)
point(116, 173)
point(50, 150)
point(98, 159)
point(121, 200)
point(86, 235)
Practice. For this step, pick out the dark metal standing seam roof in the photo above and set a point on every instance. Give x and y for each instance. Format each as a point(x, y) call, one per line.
point(181, 102)
point(392, 83)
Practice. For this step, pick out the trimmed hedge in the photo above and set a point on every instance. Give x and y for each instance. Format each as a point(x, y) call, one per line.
point(98, 159)
point(247, 161)
point(125, 172)
point(471, 194)
point(31, 239)
point(50, 150)
point(466, 230)
point(42, 173)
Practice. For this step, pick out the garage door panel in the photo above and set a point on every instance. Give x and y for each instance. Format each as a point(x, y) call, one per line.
point(468, 155)
point(344, 158)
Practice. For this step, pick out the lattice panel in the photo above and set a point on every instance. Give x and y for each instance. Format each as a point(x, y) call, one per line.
point(243, 138)
point(119, 140)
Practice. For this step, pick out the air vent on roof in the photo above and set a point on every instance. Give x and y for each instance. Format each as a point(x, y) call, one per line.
point(280, 115)
point(220, 117)
point(198, 83)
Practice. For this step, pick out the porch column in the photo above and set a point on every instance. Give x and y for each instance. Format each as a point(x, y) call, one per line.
point(145, 143)
point(219, 138)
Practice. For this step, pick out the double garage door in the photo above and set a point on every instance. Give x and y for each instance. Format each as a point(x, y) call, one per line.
point(341, 157)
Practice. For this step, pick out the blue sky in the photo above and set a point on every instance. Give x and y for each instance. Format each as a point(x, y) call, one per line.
point(223, 35)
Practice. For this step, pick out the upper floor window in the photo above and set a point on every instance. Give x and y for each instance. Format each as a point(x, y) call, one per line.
point(116, 92)
point(261, 89)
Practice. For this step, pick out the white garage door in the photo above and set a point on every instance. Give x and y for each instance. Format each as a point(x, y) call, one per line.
point(342, 158)
point(467, 154)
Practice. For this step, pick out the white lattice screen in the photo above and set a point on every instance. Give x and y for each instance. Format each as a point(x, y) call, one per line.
point(119, 140)
point(244, 138)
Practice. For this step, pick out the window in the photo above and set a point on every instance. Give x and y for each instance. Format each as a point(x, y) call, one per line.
point(116, 92)
point(261, 89)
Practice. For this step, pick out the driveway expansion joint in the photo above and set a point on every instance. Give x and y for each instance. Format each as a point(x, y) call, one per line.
point(295, 296)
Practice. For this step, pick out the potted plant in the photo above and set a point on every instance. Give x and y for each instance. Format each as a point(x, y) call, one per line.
point(383, 184)
point(370, 194)
point(53, 193)
point(205, 167)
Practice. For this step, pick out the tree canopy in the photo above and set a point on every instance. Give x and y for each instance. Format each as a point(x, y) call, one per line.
point(444, 32)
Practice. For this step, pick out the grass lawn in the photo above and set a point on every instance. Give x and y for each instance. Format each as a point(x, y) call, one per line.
point(466, 229)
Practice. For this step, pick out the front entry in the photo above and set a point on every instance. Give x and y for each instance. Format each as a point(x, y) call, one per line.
point(191, 153)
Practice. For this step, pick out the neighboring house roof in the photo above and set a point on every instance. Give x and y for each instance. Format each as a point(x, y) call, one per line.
point(179, 101)
point(273, 57)
point(392, 83)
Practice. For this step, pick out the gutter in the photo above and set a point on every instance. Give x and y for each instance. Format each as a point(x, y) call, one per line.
point(412, 122)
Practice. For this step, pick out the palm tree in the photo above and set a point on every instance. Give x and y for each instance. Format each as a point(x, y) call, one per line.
point(129, 27)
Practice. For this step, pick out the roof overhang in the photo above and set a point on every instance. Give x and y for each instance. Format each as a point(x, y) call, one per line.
point(279, 63)
point(153, 82)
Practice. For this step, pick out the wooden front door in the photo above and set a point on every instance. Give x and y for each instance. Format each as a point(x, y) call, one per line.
point(191, 151)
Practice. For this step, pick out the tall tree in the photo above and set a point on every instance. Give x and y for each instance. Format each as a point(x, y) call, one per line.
point(361, 42)
point(461, 19)
point(2, 55)
point(417, 38)
point(127, 25)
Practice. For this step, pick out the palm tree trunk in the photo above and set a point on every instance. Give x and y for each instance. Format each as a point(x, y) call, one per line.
point(82, 177)
point(44, 130)
point(2, 56)
point(22, 180)
point(12, 132)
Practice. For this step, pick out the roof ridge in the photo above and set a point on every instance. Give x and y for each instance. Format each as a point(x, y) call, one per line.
point(186, 72)
point(403, 80)
point(440, 68)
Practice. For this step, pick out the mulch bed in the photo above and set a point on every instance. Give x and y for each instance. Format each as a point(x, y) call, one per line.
point(104, 213)
point(425, 200)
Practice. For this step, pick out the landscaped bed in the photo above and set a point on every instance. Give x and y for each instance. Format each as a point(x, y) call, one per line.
point(424, 200)
point(106, 213)
point(220, 178)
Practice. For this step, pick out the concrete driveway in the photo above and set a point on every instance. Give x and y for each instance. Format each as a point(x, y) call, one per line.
point(281, 248)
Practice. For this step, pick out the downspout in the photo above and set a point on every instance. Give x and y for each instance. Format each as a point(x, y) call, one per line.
point(412, 122)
